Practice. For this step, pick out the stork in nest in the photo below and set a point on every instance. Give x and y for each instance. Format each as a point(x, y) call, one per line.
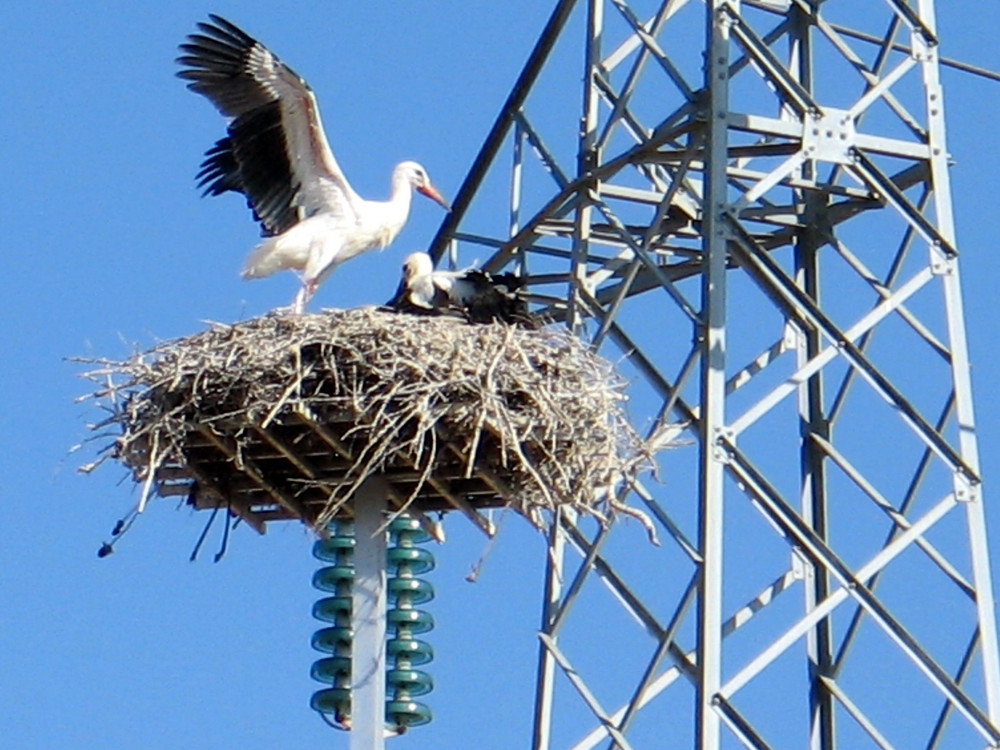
point(473, 294)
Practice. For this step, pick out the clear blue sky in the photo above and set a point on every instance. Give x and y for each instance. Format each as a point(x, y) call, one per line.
point(108, 247)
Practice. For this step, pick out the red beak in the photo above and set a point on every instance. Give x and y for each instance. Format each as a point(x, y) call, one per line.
point(431, 192)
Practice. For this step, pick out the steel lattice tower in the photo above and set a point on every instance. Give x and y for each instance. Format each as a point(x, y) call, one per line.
point(751, 213)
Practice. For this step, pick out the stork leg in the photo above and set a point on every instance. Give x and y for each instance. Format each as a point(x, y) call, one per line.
point(303, 296)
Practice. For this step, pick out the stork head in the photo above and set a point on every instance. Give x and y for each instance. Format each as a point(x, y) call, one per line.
point(417, 264)
point(416, 175)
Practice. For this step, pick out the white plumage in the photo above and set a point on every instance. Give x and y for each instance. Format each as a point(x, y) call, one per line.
point(277, 155)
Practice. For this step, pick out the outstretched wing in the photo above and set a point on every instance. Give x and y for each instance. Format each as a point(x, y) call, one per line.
point(276, 152)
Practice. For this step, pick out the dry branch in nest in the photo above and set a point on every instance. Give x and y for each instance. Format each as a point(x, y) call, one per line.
point(285, 416)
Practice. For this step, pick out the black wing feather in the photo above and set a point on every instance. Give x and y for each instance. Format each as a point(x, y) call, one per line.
point(219, 172)
point(497, 297)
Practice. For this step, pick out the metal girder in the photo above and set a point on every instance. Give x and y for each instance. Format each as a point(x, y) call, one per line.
point(756, 219)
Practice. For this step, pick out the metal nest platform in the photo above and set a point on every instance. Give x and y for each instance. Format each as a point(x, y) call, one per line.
point(284, 417)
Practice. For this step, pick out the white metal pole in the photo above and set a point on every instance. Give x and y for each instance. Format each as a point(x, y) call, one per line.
point(368, 599)
point(713, 381)
point(961, 377)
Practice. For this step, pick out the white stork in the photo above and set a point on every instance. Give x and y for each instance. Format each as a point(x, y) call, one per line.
point(277, 155)
point(474, 294)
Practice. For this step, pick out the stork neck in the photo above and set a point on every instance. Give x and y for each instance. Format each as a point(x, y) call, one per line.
point(401, 190)
point(398, 205)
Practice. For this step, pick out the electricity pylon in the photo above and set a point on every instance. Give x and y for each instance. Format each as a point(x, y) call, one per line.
point(748, 206)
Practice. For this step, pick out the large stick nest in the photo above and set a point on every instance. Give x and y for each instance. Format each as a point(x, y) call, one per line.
point(286, 416)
